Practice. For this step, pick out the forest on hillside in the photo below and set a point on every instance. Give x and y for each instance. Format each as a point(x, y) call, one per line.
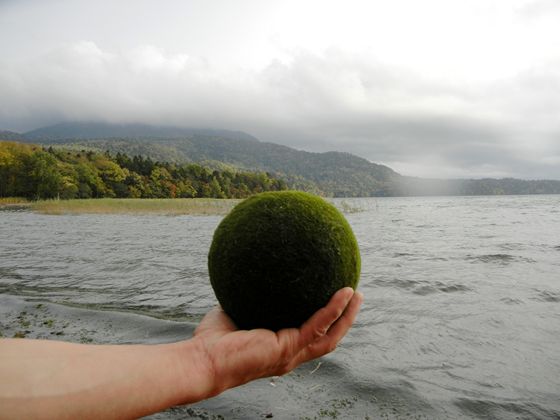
point(227, 157)
point(37, 172)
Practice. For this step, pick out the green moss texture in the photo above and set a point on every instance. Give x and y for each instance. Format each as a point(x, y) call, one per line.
point(278, 257)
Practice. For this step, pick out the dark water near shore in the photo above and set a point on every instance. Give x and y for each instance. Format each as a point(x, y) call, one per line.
point(461, 317)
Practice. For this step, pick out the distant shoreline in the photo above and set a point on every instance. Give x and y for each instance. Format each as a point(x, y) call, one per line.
point(136, 206)
point(176, 206)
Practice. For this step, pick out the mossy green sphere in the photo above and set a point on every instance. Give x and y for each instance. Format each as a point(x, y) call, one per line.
point(278, 257)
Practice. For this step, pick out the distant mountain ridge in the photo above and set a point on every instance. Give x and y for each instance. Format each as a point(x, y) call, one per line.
point(95, 130)
point(337, 174)
point(11, 135)
point(330, 173)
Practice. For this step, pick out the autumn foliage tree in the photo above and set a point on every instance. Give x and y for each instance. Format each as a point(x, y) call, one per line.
point(35, 172)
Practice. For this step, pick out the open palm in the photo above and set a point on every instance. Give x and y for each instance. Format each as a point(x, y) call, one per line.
point(239, 356)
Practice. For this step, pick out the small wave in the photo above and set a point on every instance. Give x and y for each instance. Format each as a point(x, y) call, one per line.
point(6, 273)
point(34, 318)
point(486, 236)
point(547, 296)
point(437, 259)
point(498, 258)
point(403, 283)
point(503, 410)
point(508, 246)
point(492, 258)
point(418, 257)
point(424, 288)
point(402, 254)
point(452, 288)
point(439, 287)
point(511, 301)
point(557, 247)
point(395, 400)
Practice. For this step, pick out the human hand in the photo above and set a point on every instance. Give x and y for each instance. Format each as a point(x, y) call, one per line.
point(55, 379)
point(236, 357)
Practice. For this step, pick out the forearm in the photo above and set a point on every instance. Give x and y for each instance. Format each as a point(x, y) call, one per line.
point(49, 379)
point(64, 380)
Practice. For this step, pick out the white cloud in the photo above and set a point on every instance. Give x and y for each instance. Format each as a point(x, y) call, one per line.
point(150, 58)
point(333, 100)
point(473, 87)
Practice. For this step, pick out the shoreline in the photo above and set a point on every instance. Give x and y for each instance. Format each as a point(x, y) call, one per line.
point(139, 206)
point(36, 318)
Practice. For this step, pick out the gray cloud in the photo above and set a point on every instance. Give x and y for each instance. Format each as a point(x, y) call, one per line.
point(334, 100)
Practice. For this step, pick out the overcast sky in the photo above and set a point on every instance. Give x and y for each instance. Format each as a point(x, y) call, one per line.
point(443, 88)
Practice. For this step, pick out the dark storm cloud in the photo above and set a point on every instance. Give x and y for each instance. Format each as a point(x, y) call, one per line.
point(459, 143)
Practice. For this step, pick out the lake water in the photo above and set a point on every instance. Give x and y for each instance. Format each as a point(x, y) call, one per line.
point(461, 317)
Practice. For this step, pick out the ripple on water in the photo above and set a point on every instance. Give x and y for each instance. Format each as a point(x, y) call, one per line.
point(511, 301)
point(452, 288)
point(502, 259)
point(402, 254)
point(547, 296)
point(422, 288)
point(439, 287)
point(454, 346)
point(9, 273)
point(509, 246)
point(504, 410)
point(398, 283)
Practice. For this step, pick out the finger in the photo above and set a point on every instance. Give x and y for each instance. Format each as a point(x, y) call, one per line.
point(338, 330)
point(320, 322)
point(343, 324)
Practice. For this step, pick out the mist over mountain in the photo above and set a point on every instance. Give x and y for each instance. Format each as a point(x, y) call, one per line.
point(332, 173)
point(11, 135)
point(97, 130)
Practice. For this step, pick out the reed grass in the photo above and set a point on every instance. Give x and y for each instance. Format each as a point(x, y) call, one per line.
point(13, 200)
point(14, 203)
point(157, 206)
point(160, 206)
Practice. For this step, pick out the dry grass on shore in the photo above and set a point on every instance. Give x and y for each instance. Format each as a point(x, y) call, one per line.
point(161, 206)
point(8, 201)
point(14, 203)
point(154, 206)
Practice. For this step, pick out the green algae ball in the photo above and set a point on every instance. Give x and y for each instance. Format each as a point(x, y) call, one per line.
point(278, 257)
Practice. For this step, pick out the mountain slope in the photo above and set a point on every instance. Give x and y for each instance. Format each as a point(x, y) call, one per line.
point(93, 130)
point(11, 135)
point(333, 173)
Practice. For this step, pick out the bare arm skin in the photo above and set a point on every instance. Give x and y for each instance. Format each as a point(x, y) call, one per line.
point(50, 379)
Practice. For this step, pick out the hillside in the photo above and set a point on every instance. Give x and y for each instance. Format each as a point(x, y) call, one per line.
point(92, 130)
point(332, 173)
point(11, 135)
point(35, 172)
point(409, 186)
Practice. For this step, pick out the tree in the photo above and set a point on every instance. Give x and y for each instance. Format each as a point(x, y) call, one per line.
point(44, 178)
point(32, 172)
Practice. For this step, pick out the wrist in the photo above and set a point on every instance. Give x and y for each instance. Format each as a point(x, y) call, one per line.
point(198, 378)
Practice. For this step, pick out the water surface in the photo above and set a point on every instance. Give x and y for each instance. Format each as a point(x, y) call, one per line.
point(461, 317)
